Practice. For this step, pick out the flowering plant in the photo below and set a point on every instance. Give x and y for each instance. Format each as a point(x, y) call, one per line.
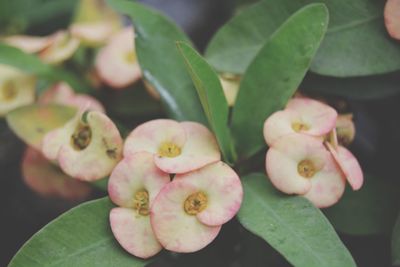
point(195, 153)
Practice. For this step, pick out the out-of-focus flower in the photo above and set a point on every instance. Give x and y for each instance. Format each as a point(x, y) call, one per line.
point(188, 213)
point(116, 63)
point(230, 84)
point(177, 147)
point(300, 164)
point(346, 131)
point(16, 89)
point(48, 180)
point(29, 44)
point(392, 18)
point(87, 148)
point(62, 93)
point(133, 186)
point(62, 47)
point(302, 115)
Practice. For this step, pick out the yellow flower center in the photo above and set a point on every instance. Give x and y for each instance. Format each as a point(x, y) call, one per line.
point(306, 168)
point(299, 126)
point(195, 203)
point(130, 57)
point(169, 150)
point(8, 91)
point(82, 136)
point(141, 202)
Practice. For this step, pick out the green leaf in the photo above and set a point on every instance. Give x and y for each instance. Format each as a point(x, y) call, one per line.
point(211, 97)
point(356, 43)
point(370, 87)
point(275, 74)
point(31, 64)
point(396, 243)
point(161, 63)
point(291, 225)
point(361, 213)
point(31, 123)
point(79, 237)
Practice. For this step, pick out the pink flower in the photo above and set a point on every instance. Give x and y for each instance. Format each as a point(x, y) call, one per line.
point(300, 164)
point(92, 33)
point(116, 63)
point(133, 186)
point(61, 48)
point(29, 44)
point(177, 147)
point(62, 93)
point(392, 15)
point(188, 212)
point(87, 147)
point(302, 115)
point(48, 180)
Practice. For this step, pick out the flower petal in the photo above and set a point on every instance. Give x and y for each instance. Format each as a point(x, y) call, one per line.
point(101, 155)
point(320, 117)
point(349, 166)
point(392, 15)
point(61, 49)
point(48, 180)
point(223, 189)
point(284, 156)
point(113, 64)
point(151, 135)
point(327, 185)
point(135, 172)
point(29, 44)
point(174, 228)
point(278, 125)
point(92, 32)
point(200, 149)
point(134, 233)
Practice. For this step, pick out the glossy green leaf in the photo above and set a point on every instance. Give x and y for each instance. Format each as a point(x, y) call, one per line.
point(370, 87)
point(211, 97)
point(356, 43)
point(31, 64)
point(362, 213)
point(79, 237)
point(31, 123)
point(161, 63)
point(396, 243)
point(291, 225)
point(275, 74)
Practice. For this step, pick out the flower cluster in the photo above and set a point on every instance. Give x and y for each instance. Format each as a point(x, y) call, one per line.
point(182, 215)
point(304, 155)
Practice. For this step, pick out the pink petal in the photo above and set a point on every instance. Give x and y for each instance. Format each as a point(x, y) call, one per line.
point(174, 228)
point(200, 149)
point(223, 189)
point(62, 93)
point(61, 49)
point(349, 165)
point(112, 63)
point(99, 158)
point(284, 156)
point(48, 180)
point(134, 233)
point(29, 44)
point(151, 135)
point(135, 172)
point(278, 125)
point(327, 185)
point(92, 32)
point(320, 117)
point(392, 18)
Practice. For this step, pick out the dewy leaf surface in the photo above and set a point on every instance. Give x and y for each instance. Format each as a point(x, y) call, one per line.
point(275, 74)
point(161, 63)
point(292, 225)
point(79, 237)
point(211, 97)
point(356, 43)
